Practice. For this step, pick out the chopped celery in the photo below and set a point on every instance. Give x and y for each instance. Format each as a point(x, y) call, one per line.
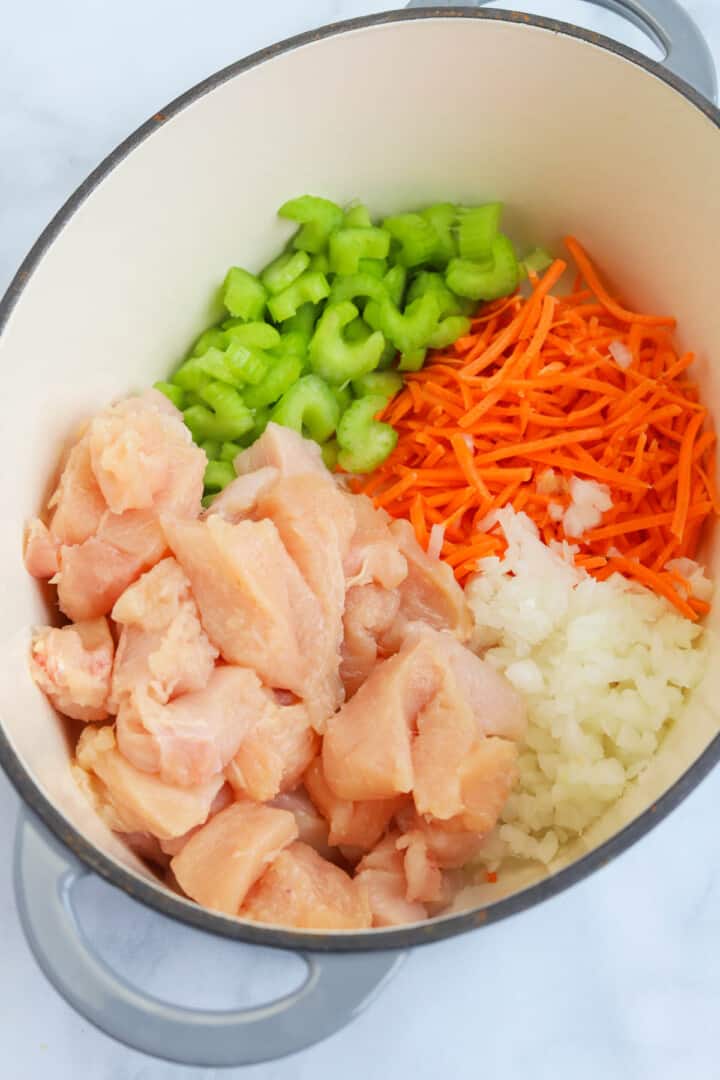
point(433, 282)
point(189, 376)
point(442, 217)
point(223, 399)
point(364, 441)
point(329, 451)
point(357, 216)
point(174, 393)
point(395, 281)
point(448, 331)
point(376, 267)
point(379, 383)
point(415, 235)
point(320, 262)
point(204, 424)
point(247, 364)
point(229, 451)
point(284, 370)
point(213, 363)
point(357, 330)
point(478, 228)
point(349, 286)
point(310, 287)
point(212, 338)
point(211, 448)
point(309, 407)
point(243, 294)
point(349, 246)
point(412, 359)
point(537, 261)
point(481, 282)
point(318, 218)
point(257, 335)
point(335, 359)
point(409, 329)
point(218, 475)
point(282, 271)
point(343, 396)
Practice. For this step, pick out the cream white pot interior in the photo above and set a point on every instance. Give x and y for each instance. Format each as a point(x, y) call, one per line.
point(572, 137)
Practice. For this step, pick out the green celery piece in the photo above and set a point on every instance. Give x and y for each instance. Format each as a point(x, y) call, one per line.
point(189, 376)
point(478, 229)
point(537, 261)
point(204, 424)
point(224, 400)
point(211, 448)
point(416, 236)
point(442, 216)
point(284, 370)
point(364, 441)
point(318, 218)
point(308, 407)
point(255, 335)
point(385, 384)
point(243, 294)
point(329, 451)
point(218, 474)
point(349, 246)
point(310, 287)
point(376, 267)
point(282, 271)
point(449, 330)
point(432, 282)
point(320, 263)
point(209, 499)
point(357, 330)
point(173, 393)
point(215, 364)
point(335, 359)
point(343, 396)
point(387, 358)
point(409, 329)
point(357, 217)
point(229, 451)
point(412, 359)
point(349, 286)
point(479, 282)
point(247, 364)
point(212, 338)
point(262, 419)
point(395, 281)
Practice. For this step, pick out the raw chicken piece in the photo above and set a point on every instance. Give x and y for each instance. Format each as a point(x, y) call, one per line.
point(73, 665)
point(148, 847)
point(448, 849)
point(239, 498)
point(424, 880)
point(91, 577)
point(369, 612)
point(163, 647)
point(132, 801)
point(487, 777)
point(353, 824)
point(77, 503)
point(279, 745)
point(41, 550)
point(496, 705)
point(374, 554)
point(430, 592)
point(224, 798)
point(283, 449)
point(255, 605)
point(302, 889)
point(312, 826)
point(143, 457)
point(446, 735)
point(366, 750)
point(382, 872)
point(220, 863)
point(191, 739)
point(315, 523)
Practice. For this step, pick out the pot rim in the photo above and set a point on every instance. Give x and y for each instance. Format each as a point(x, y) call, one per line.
point(175, 906)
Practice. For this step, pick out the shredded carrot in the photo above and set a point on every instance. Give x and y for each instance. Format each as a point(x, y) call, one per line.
point(535, 385)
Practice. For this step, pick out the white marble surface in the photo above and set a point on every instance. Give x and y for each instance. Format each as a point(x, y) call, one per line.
point(620, 977)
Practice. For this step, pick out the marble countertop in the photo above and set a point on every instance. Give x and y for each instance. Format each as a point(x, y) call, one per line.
point(619, 977)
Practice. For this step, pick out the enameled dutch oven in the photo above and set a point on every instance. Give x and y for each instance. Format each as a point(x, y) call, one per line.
point(576, 134)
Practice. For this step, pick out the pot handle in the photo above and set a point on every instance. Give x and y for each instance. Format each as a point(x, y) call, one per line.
point(337, 987)
point(667, 23)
